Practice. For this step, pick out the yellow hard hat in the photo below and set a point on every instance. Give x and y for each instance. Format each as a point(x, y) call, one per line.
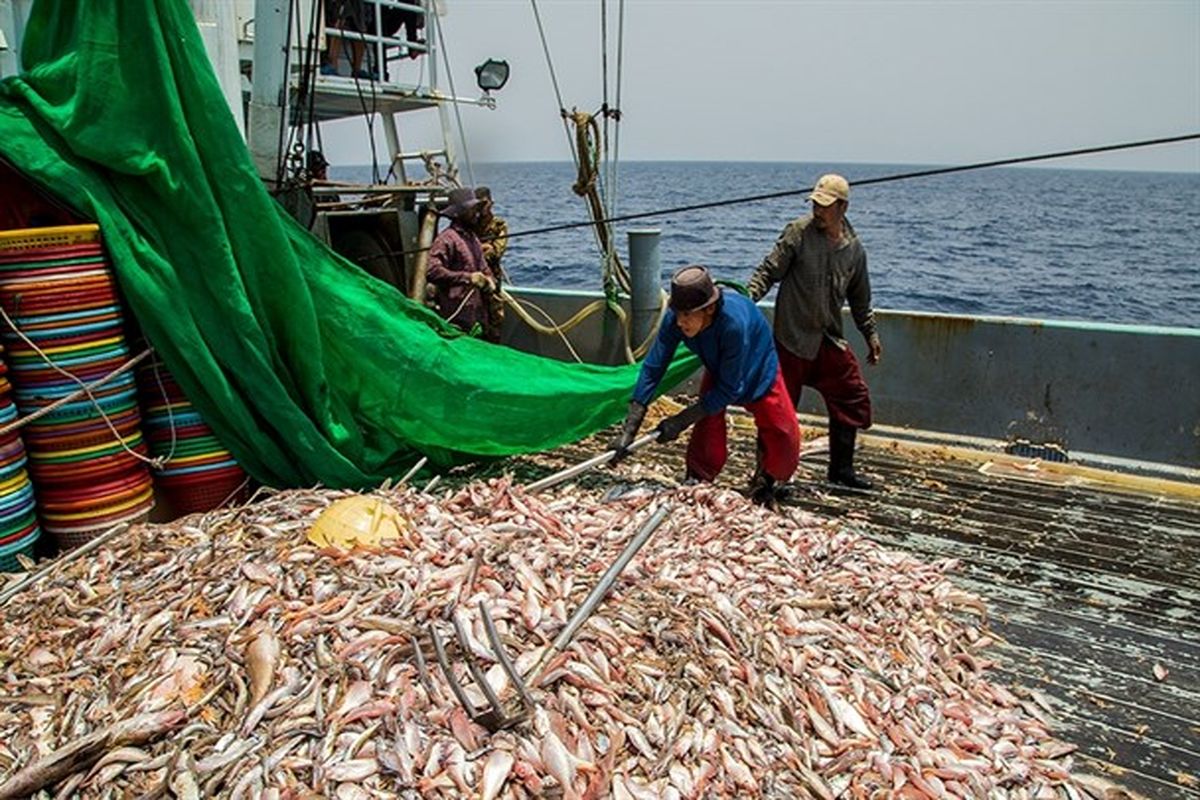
point(357, 521)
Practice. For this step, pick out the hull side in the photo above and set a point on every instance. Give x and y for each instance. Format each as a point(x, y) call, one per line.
point(1120, 391)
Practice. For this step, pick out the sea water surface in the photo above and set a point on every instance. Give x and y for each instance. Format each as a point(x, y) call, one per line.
point(1063, 244)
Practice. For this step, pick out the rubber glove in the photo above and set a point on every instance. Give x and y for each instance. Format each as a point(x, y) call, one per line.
point(629, 429)
point(670, 428)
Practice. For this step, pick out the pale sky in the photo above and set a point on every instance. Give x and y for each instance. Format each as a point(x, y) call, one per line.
point(887, 82)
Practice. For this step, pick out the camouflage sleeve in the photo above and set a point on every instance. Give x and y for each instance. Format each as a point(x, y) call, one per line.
point(496, 244)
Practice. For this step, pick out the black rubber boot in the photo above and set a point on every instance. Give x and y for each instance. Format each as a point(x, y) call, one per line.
point(841, 457)
point(761, 491)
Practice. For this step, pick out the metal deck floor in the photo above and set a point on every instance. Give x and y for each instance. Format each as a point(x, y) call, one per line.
point(1091, 584)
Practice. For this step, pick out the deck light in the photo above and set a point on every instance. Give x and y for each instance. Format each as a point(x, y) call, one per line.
point(491, 75)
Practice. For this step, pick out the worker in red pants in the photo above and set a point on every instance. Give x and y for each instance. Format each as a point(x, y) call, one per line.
point(731, 337)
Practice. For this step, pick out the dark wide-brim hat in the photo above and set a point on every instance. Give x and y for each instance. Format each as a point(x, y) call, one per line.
point(692, 289)
point(316, 160)
point(461, 201)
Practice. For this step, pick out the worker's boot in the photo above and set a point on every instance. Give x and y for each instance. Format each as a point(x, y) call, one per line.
point(761, 490)
point(841, 457)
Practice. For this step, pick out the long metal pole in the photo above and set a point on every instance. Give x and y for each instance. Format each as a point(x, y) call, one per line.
point(10, 40)
point(584, 466)
point(217, 22)
point(601, 589)
point(420, 262)
point(61, 561)
point(434, 36)
point(268, 89)
point(392, 136)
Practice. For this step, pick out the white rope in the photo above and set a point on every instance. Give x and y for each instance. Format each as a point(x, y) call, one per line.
point(554, 327)
point(162, 390)
point(561, 329)
point(85, 389)
point(463, 304)
point(610, 264)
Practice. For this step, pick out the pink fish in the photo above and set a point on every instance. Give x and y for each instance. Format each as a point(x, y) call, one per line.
point(495, 773)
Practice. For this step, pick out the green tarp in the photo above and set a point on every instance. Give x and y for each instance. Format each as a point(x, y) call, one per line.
point(308, 370)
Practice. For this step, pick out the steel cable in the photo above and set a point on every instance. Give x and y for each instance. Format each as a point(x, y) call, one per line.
point(925, 173)
point(858, 183)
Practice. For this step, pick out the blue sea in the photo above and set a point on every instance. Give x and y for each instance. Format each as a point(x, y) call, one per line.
point(1041, 243)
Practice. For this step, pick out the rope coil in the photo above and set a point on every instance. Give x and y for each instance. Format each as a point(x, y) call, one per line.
point(562, 329)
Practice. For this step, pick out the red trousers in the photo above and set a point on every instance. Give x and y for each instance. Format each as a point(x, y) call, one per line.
point(836, 375)
point(778, 435)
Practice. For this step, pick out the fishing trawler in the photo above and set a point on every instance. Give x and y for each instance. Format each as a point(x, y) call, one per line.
point(1070, 500)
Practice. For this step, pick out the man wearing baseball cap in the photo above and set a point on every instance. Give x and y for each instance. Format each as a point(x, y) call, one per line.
point(731, 336)
point(820, 265)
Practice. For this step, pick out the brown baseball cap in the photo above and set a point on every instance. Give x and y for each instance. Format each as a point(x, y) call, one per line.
point(692, 289)
point(830, 189)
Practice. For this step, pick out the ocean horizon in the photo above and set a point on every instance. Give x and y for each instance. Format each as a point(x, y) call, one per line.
point(366, 168)
point(1039, 242)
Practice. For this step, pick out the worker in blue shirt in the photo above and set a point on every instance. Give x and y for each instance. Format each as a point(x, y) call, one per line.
point(734, 342)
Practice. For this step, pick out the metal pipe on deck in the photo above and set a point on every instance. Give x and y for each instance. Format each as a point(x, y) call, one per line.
point(268, 91)
point(392, 135)
point(8, 49)
point(217, 22)
point(645, 275)
point(14, 16)
point(421, 262)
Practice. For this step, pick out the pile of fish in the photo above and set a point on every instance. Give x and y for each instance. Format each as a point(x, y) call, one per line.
point(741, 654)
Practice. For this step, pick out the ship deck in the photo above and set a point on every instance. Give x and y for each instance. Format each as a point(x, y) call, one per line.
point(1092, 580)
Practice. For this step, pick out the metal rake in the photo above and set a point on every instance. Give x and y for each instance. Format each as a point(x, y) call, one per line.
point(494, 715)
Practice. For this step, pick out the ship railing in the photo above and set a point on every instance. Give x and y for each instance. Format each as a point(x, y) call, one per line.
point(345, 196)
point(385, 49)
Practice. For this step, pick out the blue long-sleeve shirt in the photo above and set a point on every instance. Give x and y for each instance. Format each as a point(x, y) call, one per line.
point(737, 349)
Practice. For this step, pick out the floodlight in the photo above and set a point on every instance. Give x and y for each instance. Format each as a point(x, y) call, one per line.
point(491, 75)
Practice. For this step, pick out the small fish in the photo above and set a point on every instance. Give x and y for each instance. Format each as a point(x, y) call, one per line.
point(495, 773)
point(262, 656)
point(355, 770)
point(183, 782)
point(531, 609)
point(562, 764)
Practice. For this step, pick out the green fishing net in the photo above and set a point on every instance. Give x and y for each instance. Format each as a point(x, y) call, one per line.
point(308, 370)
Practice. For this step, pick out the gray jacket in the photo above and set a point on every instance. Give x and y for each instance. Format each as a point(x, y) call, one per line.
point(815, 280)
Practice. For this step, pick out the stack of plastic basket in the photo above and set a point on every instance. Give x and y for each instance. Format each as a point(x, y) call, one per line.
point(197, 472)
point(86, 456)
point(19, 530)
